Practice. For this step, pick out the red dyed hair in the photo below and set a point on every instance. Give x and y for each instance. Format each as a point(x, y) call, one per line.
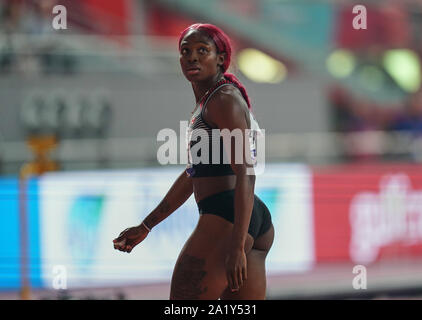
point(222, 43)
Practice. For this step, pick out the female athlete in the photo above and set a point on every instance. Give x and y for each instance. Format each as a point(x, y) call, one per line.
point(224, 258)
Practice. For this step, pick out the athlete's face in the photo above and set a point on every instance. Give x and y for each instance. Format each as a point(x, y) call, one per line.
point(199, 59)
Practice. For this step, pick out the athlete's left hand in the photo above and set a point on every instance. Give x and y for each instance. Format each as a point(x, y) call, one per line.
point(236, 269)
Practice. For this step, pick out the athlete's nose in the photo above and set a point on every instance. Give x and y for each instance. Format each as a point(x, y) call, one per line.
point(193, 57)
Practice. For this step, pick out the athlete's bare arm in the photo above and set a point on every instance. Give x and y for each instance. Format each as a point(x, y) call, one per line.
point(179, 192)
point(228, 110)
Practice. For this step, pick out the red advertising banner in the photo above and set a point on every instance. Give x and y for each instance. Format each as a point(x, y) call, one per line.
point(365, 213)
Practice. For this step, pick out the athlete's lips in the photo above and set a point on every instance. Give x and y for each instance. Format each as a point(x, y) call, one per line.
point(193, 70)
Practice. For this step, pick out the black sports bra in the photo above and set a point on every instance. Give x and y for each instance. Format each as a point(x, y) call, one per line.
point(203, 142)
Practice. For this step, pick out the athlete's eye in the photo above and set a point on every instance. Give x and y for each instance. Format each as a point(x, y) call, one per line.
point(184, 51)
point(203, 50)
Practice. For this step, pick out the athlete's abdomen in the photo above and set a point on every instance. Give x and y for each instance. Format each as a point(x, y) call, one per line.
point(206, 186)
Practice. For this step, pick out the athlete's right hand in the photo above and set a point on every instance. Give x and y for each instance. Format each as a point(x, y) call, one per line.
point(129, 238)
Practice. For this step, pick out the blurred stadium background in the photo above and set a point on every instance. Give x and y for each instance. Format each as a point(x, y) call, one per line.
point(80, 110)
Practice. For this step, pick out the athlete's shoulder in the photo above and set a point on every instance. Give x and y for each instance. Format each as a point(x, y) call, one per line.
point(227, 99)
point(227, 108)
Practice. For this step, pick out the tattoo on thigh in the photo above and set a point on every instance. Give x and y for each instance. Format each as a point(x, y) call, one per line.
point(188, 277)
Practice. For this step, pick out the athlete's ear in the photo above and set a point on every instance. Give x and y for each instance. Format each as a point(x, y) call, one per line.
point(221, 57)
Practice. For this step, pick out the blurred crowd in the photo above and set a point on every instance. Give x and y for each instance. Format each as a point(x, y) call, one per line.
point(363, 120)
point(393, 25)
point(30, 17)
point(25, 43)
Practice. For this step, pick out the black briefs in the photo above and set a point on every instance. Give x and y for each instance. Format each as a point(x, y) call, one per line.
point(222, 204)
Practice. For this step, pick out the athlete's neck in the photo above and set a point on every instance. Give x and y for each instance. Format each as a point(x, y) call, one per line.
point(200, 88)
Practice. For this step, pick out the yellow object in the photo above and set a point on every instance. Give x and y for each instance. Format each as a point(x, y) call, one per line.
point(341, 63)
point(40, 146)
point(260, 67)
point(404, 67)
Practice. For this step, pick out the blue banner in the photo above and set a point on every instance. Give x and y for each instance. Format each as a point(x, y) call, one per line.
point(10, 249)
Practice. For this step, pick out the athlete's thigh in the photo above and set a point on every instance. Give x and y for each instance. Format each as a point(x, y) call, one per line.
point(255, 286)
point(199, 272)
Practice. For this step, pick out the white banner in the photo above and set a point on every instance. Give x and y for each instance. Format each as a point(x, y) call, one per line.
point(82, 212)
point(286, 189)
